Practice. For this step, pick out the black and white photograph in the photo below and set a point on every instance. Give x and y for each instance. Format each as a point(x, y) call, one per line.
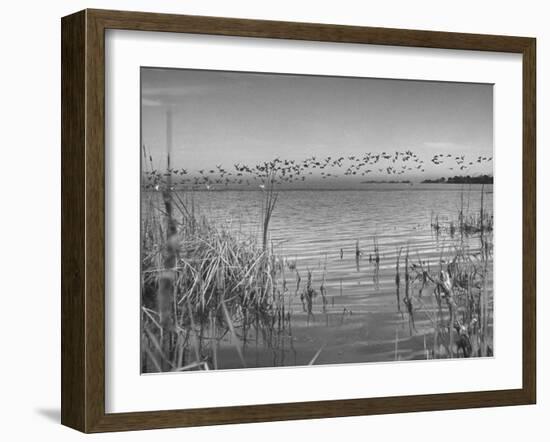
point(270, 221)
point(301, 220)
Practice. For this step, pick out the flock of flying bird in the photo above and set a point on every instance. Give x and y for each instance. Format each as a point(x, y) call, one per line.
point(278, 171)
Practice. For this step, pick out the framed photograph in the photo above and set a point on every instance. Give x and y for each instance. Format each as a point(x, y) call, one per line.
point(269, 220)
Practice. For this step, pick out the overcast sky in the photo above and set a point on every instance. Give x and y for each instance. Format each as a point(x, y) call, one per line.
point(227, 117)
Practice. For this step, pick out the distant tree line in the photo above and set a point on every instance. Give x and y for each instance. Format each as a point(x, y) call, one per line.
point(386, 182)
point(467, 179)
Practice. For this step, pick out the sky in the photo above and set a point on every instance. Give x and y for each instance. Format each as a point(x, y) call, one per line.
point(221, 117)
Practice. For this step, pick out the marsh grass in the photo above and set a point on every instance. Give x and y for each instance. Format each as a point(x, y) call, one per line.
point(461, 319)
point(467, 222)
point(202, 285)
point(460, 287)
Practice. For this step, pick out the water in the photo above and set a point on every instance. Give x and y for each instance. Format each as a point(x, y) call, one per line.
point(309, 224)
point(334, 235)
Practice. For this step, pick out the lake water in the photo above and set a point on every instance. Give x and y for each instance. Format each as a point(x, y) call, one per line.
point(321, 231)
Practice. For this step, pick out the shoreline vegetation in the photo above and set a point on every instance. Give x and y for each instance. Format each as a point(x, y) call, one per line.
point(202, 188)
point(386, 182)
point(461, 179)
point(207, 291)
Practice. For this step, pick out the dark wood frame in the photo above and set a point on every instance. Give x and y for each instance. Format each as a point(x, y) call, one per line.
point(83, 217)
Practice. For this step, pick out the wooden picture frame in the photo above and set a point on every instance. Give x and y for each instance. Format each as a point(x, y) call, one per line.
point(83, 220)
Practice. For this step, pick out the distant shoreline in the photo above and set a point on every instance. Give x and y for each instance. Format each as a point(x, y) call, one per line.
point(387, 182)
point(414, 188)
point(482, 179)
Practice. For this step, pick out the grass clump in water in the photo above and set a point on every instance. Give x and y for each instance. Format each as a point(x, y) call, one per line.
point(202, 286)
